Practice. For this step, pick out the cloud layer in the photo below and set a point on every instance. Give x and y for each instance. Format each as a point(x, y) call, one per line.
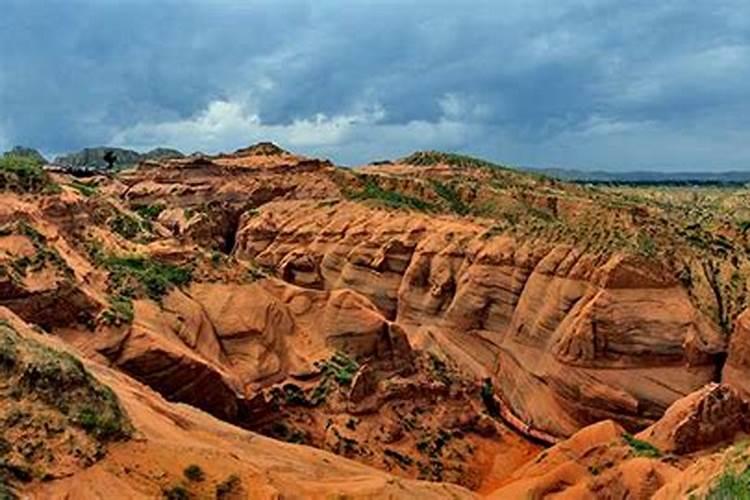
point(574, 83)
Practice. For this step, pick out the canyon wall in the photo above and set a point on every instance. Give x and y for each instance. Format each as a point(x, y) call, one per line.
point(568, 337)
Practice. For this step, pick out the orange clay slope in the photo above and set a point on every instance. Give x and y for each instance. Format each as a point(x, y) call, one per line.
point(165, 438)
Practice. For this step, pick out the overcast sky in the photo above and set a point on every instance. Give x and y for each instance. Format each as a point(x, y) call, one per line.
point(591, 84)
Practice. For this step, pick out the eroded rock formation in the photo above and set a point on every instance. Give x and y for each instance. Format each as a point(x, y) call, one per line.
point(436, 318)
point(568, 337)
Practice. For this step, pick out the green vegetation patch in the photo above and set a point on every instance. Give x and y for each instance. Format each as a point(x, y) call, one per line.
point(133, 277)
point(404, 461)
point(428, 158)
point(24, 174)
point(731, 485)
point(451, 197)
point(373, 191)
point(136, 274)
point(60, 381)
point(150, 212)
point(287, 433)
point(646, 245)
point(340, 368)
point(120, 311)
point(641, 448)
point(128, 227)
point(336, 372)
point(86, 190)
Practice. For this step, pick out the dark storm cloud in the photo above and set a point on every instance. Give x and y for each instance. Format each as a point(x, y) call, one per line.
point(579, 83)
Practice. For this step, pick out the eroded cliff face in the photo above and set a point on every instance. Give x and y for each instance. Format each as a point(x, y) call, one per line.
point(568, 337)
point(214, 345)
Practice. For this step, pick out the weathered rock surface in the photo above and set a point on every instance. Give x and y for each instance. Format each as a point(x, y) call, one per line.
point(569, 338)
point(214, 345)
point(710, 416)
point(594, 462)
point(602, 461)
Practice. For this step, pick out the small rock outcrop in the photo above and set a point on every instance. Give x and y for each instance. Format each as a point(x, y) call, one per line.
point(710, 416)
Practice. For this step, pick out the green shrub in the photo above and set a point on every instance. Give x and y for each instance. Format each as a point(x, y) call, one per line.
point(731, 486)
point(132, 277)
point(294, 395)
point(439, 369)
point(319, 394)
point(150, 212)
point(340, 368)
point(194, 473)
point(487, 394)
point(230, 485)
point(176, 493)
point(216, 258)
point(126, 226)
point(256, 273)
point(404, 461)
point(120, 311)
point(44, 254)
point(284, 432)
point(103, 426)
point(641, 448)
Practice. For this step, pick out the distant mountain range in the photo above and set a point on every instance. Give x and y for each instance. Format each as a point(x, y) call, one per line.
point(93, 158)
point(644, 177)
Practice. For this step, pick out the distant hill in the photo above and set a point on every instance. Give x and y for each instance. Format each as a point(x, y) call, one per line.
point(93, 158)
point(162, 154)
point(635, 177)
point(27, 152)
